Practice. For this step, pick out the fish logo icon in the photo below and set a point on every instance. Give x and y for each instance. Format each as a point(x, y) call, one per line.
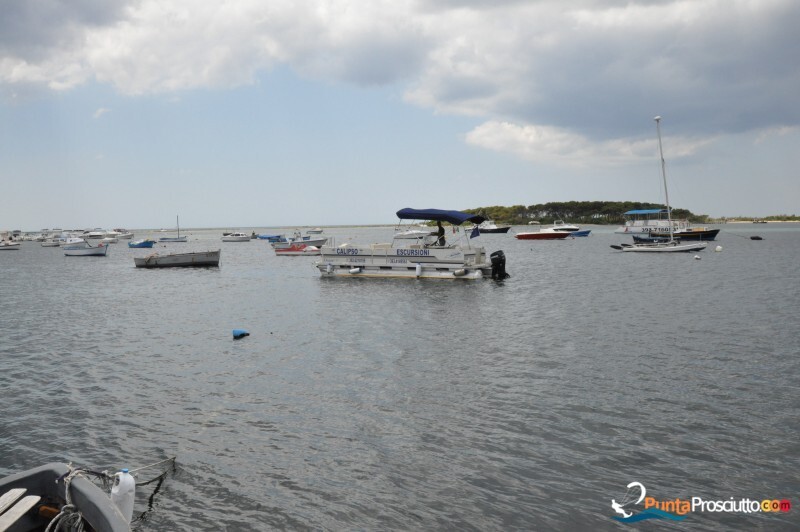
point(619, 507)
point(635, 495)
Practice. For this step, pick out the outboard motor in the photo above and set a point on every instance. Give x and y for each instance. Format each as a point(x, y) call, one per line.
point(499, 265)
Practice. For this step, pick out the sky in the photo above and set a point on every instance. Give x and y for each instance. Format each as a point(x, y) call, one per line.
point(253, 113)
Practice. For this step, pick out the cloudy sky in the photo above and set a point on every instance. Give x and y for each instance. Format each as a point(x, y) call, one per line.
point(242, 113)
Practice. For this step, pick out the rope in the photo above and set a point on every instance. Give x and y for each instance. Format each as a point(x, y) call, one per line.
point(172, 459)
point(69, 517)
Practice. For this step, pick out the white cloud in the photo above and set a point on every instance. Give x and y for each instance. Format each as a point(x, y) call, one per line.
point(100, 112)
point(589, 73)
point(561, 146)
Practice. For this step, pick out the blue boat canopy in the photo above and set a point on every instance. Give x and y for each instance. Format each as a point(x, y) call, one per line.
point(454, 217)
point(646, 211)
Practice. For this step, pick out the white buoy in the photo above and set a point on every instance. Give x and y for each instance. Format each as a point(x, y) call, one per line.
point(123, 493)
point(355, 270)
point(697, 257)
point(460, 272)
point(418, 269)
point(718, 249)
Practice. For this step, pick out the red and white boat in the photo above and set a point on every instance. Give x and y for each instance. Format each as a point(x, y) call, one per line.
point(297, 248)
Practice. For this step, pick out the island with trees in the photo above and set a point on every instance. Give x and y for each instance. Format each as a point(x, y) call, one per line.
point(597, 212)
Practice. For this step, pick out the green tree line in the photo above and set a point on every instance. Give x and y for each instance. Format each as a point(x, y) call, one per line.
point(587, 212)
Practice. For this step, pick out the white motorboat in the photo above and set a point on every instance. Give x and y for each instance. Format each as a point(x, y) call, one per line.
point(75, 242)
point(110, 240)
point(298, 238)
point(315, 231)
point(488, 226)
point(51, 244)
point(77, 247)
point(236, 237)
point(560, 227)
point(671, 245)
point(9, 245)
point(179, 260)
point(418, 260)
point(412, 234)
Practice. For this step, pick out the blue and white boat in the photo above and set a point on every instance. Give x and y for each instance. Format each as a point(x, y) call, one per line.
point(273, 238)
point(430, 258)
point(145, 243)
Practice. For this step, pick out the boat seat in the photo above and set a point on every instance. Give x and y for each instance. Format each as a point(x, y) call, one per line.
point(10, 514)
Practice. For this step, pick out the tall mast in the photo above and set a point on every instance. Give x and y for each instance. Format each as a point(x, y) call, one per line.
point(178, 220)
point(664, 175)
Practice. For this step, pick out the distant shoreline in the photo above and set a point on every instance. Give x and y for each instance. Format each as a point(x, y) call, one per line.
point(759, 222)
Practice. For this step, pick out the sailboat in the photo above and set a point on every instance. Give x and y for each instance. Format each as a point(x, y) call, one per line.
point(178, 238)
point(670, 245)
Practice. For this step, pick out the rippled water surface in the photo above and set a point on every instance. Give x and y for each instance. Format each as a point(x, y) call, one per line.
point(361, 404)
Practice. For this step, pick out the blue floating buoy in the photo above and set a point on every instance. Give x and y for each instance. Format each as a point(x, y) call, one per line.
point(240, 333)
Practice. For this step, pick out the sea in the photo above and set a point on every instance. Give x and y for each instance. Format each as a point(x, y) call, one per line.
point(533, 403)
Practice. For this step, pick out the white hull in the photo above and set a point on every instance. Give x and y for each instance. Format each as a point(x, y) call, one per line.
point(308, 242)
point(412, 234)
point(645, 227)
point(9, 247)
point(99, 251)
point(666, 247)
point(178, 260)
point(413, 262)
point(244, 238)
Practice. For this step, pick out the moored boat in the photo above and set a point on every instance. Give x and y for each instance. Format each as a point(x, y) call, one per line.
point(178, 238)
point(236, 237)
point(541, 235)
point(412, 234)
point(560, 226)
point(297, 248)
point(429, 259)
point(649, 224)
point(144, 243)
point(179, 260)
point(78, 247)
point(272, 238)
point(298, 238)
point(488, 226)
point(8, 245)
point(671, 244)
